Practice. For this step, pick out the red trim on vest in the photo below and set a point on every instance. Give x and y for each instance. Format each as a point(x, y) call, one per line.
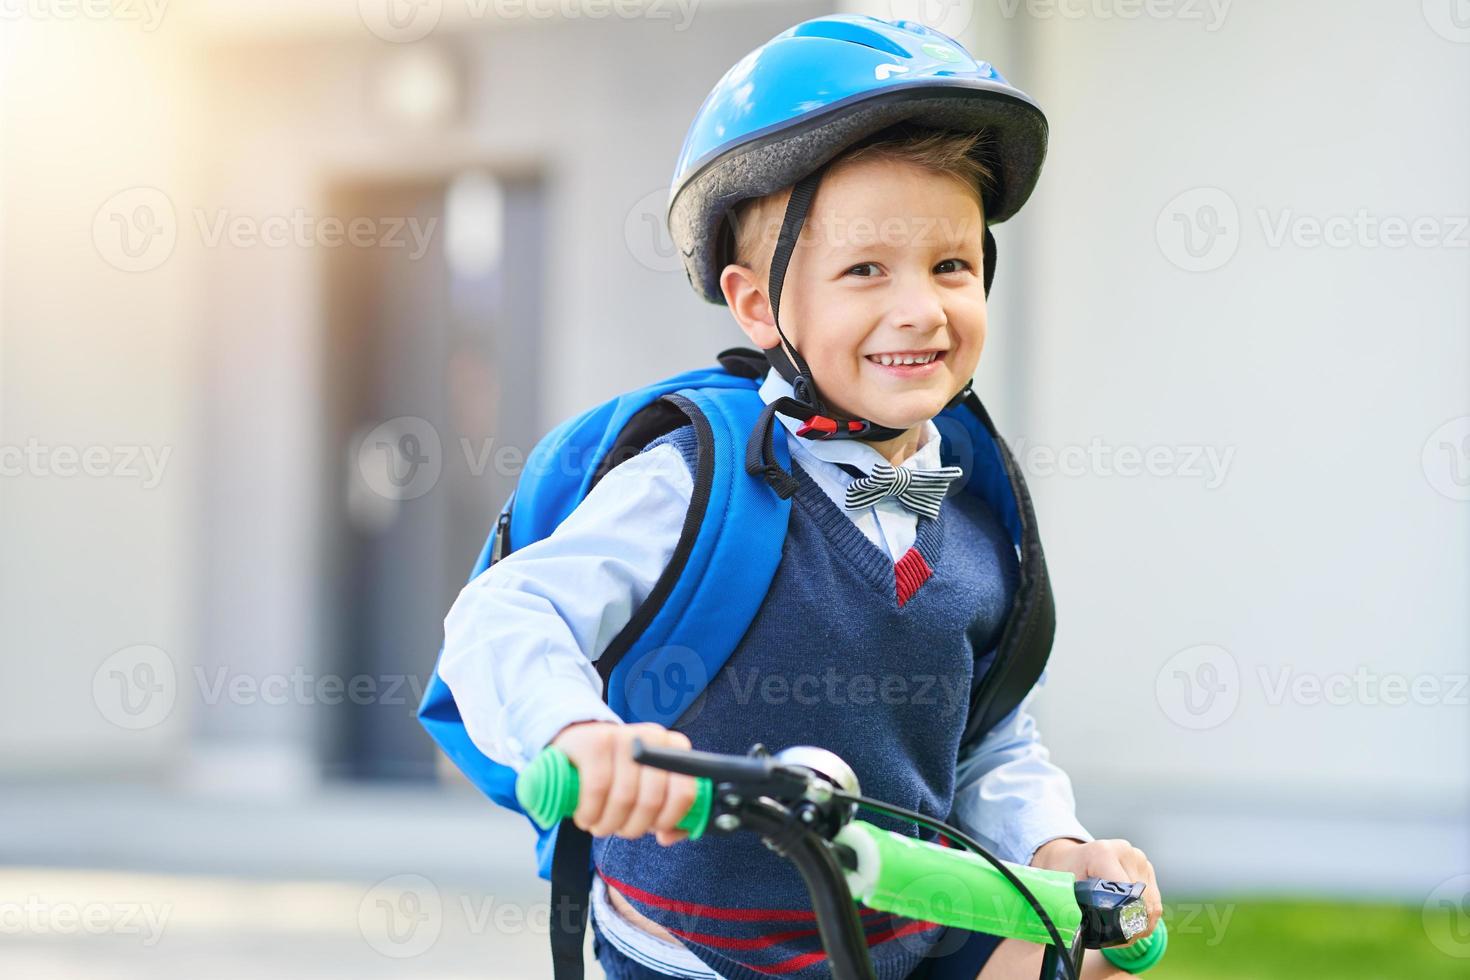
point(910, 572)
point(714, 911)
point(761, 942)
point(803, 960)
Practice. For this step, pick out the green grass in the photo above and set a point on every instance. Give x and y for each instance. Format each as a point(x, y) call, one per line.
point(1266, 939)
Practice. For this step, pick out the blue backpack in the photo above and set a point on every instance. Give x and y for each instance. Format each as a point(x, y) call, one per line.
point(702, 604)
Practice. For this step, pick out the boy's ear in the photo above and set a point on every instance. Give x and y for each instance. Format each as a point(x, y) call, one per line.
point(749, 306)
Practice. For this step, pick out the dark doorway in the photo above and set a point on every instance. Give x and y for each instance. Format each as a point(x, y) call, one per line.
point(432, 345)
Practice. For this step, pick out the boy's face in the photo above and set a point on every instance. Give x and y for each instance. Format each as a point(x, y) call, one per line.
point(889, 267)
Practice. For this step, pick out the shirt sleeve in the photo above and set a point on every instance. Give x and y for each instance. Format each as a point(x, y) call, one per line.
point(1009, 794)
point(521, 638)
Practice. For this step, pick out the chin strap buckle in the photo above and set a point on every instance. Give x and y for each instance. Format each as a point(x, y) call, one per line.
point(822, 427)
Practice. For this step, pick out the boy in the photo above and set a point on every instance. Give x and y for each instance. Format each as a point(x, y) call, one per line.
point(850, 243)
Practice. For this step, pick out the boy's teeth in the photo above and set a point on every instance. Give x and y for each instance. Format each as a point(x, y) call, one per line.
point(890, 359)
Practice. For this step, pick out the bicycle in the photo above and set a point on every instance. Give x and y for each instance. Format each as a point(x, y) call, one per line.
point(803, 802)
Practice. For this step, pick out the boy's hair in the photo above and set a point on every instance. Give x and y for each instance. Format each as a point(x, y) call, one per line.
point(962, 156)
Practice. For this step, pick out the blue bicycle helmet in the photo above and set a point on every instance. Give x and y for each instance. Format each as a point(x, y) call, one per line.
point(784, 111)
point(798, 100)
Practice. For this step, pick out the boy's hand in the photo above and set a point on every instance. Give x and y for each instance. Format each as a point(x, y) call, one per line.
point(1114, 860)
point(618, 795)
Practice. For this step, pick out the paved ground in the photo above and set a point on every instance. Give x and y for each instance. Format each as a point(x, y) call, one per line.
point(125, 883)
point(90, 925)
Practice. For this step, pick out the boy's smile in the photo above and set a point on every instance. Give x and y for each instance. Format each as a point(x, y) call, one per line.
point(885, 293)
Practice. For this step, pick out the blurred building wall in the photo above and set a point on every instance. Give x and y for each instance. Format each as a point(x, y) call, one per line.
point(211, 355)
point(1316, 542)
point(99, 390)
point(1230, 635)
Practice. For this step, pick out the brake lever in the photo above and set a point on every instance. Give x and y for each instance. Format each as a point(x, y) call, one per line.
point(751, 775)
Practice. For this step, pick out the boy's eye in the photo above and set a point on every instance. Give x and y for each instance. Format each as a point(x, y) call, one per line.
point(943, 268)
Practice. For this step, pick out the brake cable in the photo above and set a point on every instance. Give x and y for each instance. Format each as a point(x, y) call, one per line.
point(1064, 955)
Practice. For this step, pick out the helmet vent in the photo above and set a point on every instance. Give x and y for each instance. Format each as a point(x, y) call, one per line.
point(841, 30)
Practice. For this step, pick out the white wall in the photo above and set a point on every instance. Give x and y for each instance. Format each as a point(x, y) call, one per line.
point(213, 353)
point(93, 357)
point(1323, 370)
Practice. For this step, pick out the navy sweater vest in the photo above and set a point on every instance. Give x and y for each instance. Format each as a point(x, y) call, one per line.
point(853, 653)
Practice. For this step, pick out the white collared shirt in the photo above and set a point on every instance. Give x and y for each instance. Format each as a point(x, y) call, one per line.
point(521, 639)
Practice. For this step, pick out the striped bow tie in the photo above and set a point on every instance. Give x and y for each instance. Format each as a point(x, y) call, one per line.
point(921, 491)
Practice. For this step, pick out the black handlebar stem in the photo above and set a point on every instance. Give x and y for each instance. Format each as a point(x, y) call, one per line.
point(838, 921)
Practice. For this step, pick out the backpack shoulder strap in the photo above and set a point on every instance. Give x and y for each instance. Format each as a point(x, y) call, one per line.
point(695, 615)
point(971, 441)
point(722, 567)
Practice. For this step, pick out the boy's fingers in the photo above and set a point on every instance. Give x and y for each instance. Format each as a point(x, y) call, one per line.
point(622, 794)
point(1136, 867)
point(677, 801)
point(1109, 864)
point(652, 784)
point(594, 776)
point(1153, 898)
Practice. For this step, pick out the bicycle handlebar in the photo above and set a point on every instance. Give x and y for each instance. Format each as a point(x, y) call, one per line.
point(893, 873)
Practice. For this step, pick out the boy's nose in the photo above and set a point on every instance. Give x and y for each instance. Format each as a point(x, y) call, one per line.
point(918, 307)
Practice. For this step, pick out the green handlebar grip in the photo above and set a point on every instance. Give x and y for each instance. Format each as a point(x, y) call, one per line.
point(920, 880)
point(1140, 954)
point(547, 790)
